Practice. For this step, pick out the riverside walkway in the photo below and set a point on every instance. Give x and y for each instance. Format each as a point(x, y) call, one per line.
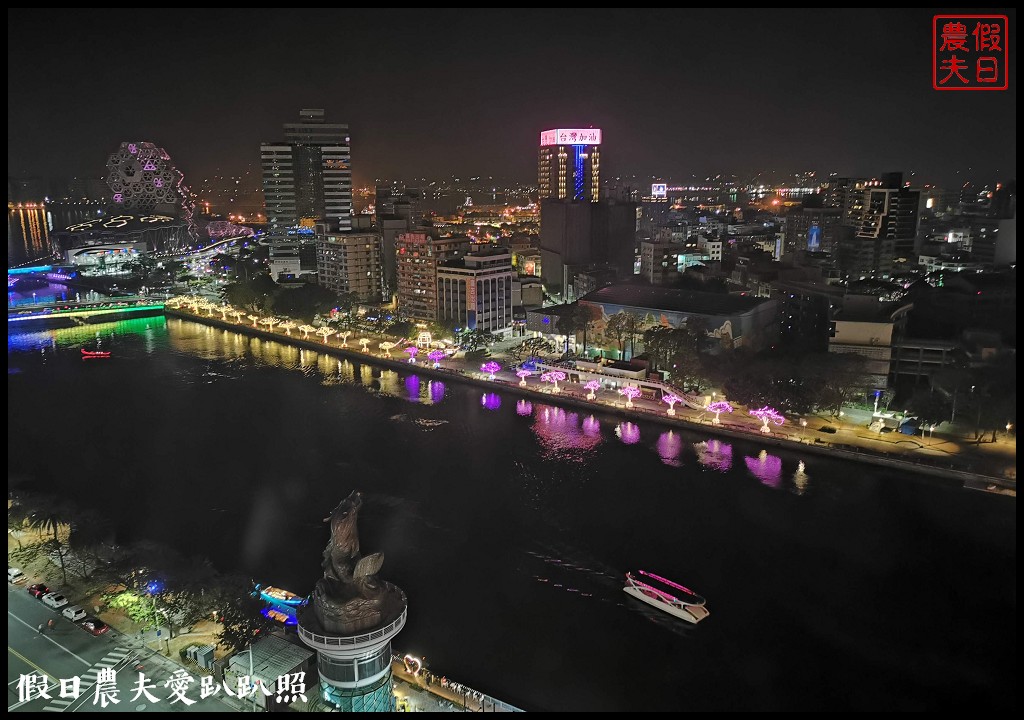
point(949, 455)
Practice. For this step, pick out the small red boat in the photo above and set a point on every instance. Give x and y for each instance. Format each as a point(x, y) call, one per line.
point(94, 354)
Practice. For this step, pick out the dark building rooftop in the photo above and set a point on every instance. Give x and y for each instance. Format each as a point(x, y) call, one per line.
point(703, 303)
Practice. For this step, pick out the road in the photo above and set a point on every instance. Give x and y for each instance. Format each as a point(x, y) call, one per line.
point(67, 651)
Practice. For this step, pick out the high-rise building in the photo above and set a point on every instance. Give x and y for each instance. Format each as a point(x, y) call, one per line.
point(577, 235)
point(475, 291)
point(308, 176)
point(884, 220)
point(349, 262)
point(569, 165)
point(812, 229)
point(418, 256)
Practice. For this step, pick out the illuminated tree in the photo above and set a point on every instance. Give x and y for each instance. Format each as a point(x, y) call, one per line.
point(490, 368)
point(365, 343)
point(386, 346)
point(224, 311)
point(436, 356)
point(767, 415)
point(344, 337)
point(553, 376)
point(270, 322)
point(287, 326)
point(523, 373)
point(325, 332)
point(255, 319)
point(671, 399)
point(592, 387)
point(306, 330)
point(237, 315)
point(630, 391)
point(718, 407)
point(413, 351)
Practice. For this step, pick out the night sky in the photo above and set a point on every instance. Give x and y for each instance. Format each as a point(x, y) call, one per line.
point(440, 93)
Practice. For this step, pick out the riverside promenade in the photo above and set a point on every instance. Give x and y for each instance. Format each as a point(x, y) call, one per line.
point(988, 466)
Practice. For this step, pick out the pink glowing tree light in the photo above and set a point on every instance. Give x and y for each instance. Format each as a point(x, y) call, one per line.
point(490, 368)
point(630, 391)
point(768, 415)
point(553, 376)
point(412, 350)
point(592, 386)
point(436, 356)
point(671, 399)
point(522, 374)
point(718, 407)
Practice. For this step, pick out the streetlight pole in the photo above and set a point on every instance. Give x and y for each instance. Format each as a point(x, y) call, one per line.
point(252, 685)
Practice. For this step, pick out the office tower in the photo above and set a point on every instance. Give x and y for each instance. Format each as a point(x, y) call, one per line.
point(475, 291)
point(569, 165)
point(418, 256)
point(308, 178)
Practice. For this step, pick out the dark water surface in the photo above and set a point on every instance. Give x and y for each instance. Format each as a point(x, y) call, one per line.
point(510, 525)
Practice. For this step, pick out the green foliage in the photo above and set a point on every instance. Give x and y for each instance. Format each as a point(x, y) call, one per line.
point(137, 607)
point(403, 329)
point(304, 302)
point(241, 615)
point(536, 347)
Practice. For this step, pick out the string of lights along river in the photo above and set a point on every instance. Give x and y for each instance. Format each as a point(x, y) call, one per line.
point(510, 524)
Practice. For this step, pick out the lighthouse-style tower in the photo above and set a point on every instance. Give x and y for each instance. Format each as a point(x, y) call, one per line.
point(351, 620)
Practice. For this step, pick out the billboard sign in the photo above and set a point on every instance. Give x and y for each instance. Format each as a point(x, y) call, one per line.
point(814, 237)
point(571, 136)
point(659, 190)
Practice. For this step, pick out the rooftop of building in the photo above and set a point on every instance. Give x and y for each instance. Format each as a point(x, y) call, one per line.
point(272, 657)
point(660, 298)
point(867, 308)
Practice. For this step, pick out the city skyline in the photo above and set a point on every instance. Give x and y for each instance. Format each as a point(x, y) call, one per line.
point(466, 93)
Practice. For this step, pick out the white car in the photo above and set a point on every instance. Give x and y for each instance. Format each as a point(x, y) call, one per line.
point(74, 613)
point(14, 575)
point(54, 600)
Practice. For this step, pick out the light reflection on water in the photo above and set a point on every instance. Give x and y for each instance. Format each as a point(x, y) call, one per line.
point(766, 468)
point(714, 454)
point(628, 433)
point(559, 431)
point(670, 447)
point(490, 401)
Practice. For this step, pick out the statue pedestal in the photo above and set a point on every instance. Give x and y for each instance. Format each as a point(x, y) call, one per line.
point(355, 670)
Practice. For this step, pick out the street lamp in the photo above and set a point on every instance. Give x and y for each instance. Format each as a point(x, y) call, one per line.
point(248, 652)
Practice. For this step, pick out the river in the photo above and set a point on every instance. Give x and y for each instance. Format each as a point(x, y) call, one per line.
point(509, 524)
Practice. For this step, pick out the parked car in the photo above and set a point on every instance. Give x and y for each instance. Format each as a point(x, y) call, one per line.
point(38, 590)
point(74, 613)
point(15, 575)
point(827, 429)
point(54, 600)
point(95, 626)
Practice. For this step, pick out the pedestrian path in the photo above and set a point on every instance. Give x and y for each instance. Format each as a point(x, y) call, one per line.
point(89, 677)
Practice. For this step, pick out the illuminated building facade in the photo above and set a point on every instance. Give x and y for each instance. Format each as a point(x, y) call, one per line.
point(418, 256)
point(569, 166)
point(143, 181)
point(350, 262)
point(475, 291)
point(308, 177)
